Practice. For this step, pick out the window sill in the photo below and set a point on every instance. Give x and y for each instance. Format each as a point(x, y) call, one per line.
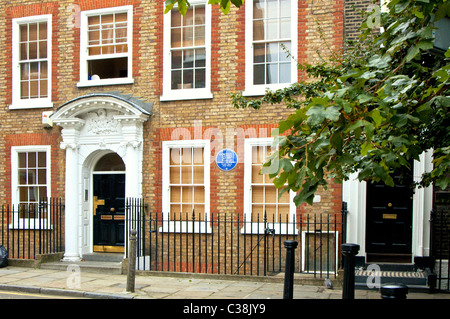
point(261, 90)
point(186, 95)
point(184, 226)
point(30, 225)
point(30, 104)
point(269, 228)
point(105, 82)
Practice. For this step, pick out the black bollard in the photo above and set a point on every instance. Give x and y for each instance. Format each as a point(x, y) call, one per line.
point(290, 246)
point(349, 252)
point(394, 291)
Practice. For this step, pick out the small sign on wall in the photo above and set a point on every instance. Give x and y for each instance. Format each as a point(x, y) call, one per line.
point(226, 159)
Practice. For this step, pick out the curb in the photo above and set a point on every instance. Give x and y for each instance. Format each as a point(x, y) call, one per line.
point(62, 292)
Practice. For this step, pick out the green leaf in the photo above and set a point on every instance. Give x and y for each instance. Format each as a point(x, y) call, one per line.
point(412, 52)
point(376, 117)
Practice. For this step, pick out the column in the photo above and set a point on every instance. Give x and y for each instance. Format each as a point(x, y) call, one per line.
point(72, 207)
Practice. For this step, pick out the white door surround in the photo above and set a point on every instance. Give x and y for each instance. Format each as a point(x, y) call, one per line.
point(355, 193)
point(92, 126)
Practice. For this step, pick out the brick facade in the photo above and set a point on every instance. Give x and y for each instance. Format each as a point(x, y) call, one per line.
point(23, 127)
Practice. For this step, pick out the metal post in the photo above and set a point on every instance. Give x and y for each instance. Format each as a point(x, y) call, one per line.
point(131, 262)
point(290, 246)
point(394, 291)
point(349, 252)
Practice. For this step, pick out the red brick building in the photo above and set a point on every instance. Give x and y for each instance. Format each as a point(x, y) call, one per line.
point(115, 92)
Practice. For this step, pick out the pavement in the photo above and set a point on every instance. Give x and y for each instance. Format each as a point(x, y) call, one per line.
point(76, 283)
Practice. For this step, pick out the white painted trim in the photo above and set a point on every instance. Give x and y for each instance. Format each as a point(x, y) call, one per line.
point(171, 226)
point(186, 94)
point(17, 102)
point(25, 223)
point(255, 227)
point(305, 258)
point(84, 57)
point(354, 193)
point(258, 90)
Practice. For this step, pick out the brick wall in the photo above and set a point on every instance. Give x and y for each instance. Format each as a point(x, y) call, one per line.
point(227, 75)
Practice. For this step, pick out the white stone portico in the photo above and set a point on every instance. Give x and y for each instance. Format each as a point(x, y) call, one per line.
point(92, 126)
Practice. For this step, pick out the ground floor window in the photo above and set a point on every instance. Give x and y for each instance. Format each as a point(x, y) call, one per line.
point(263, 202)
point(30, 180)
point(186, 179)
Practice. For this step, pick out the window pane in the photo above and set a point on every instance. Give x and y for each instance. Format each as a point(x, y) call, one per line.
point(198, 174)
point(285, 73)
point(175, 175)
point(258, 194)
point(42, 176)
point(258, 9)
point(32, 32)
point(188, 79)
point(199, 194)
point(270, 194)
point(31, 160)
point(175, 194)
point(23, 51)
point(23, 29)
point(24, 90)
point(186, 175)
point(272, 73)
point(272, 52)
point(188, 59)
point(42, 49)
point(176, 80)
point(200, 78)
point(32, 50)
point(175, 18)
point(272, 9)
point(259, 74)
point(22, 160)
point(24, 71)
point(188, 36)
point(259, 51)
point(43, 31)
point(199, 15)
point(258, 30)
point(176, 59)
point(199, 35)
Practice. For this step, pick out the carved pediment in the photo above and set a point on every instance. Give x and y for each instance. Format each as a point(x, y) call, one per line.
point(101, 122)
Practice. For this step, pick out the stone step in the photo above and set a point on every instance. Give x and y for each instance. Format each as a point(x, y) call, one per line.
point(98, 263)
point(413, 279)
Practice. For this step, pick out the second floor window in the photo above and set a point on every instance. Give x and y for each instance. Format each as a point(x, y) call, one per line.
point(271, 44)
point(32, 62)
point(186, 52)
point(106, 43)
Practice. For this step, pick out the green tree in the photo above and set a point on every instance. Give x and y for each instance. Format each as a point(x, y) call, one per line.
point(371, 110)
point(182, 5)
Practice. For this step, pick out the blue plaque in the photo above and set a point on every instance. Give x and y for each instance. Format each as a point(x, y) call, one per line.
point(226, 159)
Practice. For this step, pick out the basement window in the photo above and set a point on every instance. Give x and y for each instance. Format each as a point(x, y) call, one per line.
point(106, 45)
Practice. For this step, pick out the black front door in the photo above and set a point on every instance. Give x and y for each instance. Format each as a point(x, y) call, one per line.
point(389, 221)
point(109, 212)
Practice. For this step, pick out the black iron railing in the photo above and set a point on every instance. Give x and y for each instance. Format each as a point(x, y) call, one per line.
point(234, 244)
point(440, 246)
point(31, 229)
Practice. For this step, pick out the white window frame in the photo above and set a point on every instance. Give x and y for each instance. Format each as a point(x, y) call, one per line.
point(203, 226)
point(191, 93)
point(259, 227)
point(84, 56)
point(257, 90)
point(30, 103)
point(28, 223)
